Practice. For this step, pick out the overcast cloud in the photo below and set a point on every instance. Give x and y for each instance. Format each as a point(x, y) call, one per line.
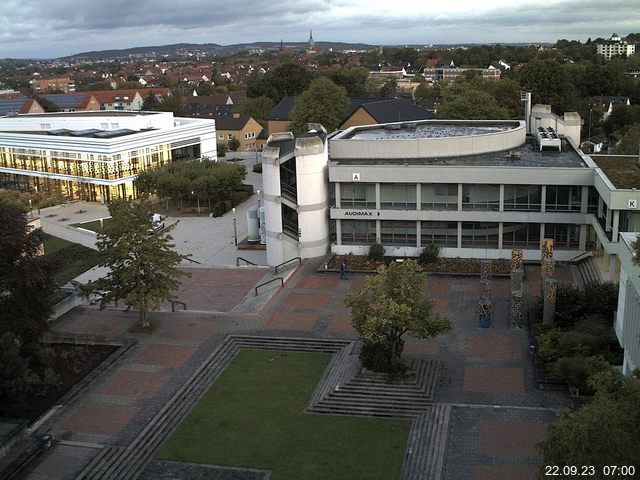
point(54, 28)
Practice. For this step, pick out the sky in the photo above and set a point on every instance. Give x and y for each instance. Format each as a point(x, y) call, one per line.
point(55, 28)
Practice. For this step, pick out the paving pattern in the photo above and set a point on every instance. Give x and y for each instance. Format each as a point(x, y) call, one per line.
point(484, 421)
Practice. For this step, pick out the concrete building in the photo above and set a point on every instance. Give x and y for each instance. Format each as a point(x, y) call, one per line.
point(614, 47)
point(477, 189)
point(96, 155)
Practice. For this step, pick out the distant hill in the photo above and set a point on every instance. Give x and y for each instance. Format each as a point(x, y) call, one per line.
point(210, 48)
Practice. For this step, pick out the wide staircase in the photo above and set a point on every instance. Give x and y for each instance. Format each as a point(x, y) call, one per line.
point(587, 269)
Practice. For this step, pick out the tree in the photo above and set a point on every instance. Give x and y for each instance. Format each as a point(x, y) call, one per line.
point(26, 280)
point(141, 260)
point(233, 144)
point(550, 84)
point(353, 79)
point(324, 102)
point(151, 103)
point(463, 101)
point(635, 249)
point(289, 79)
point(16, 378)
point(604, 432)
point(630, 143)
point(390, 89)
point(393, 304)
point(257, 108)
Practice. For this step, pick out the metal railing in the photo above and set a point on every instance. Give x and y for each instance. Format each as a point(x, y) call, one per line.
point(267, 283)
point(580, 257)
point(288, 261)
point(249, 262)
point(173, 305)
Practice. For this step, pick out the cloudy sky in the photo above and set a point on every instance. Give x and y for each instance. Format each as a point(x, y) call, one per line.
point(53, 28)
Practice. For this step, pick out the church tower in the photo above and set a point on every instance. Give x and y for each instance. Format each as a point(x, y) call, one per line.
point(312, 44)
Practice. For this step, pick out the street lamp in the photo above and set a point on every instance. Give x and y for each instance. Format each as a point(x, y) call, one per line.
point(30, 209)
point(235, 228)
point(198, 200)
point(258, 192)
point(37, 199)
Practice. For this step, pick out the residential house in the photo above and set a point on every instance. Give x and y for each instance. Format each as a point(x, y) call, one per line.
point(615, 47)
point(20, 104)
point(606, 104)
point(65, 84)
point(74, 102)
point(241, 127)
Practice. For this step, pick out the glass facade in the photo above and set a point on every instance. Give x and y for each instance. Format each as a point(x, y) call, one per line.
point(521, 235)
point(522, 198)
point(480, 197)
point(480, 235)
point(358, 195)
point(439, 196)
point(563, 236)
point(562, 198)
point(443, 234)
point(397, 232)
point(398, 195)
point(358, 232)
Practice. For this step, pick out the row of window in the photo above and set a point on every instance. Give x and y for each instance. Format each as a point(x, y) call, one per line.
point(445, 234)
point(474, 197)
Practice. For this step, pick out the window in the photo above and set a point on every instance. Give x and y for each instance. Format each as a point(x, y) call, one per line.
point(563, 236)
point(358, 195)
point(481, 197)
point(521, 235)
point(439, 196)
point(592, 200)
point(563, 198)
point(394, 232)
point(522, 198)
point(480, 235)
point(398, 195)
point(115, 126)
point(443, 234)
point(230, 136)
point(45, 126)
point(221, 136)
point(358, 232)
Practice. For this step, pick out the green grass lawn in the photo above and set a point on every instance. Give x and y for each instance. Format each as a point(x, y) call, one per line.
point(253, 417)
point(94, 225)
point(69, 259)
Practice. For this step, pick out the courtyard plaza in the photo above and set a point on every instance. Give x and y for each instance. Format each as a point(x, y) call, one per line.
point(486, 380)
point(497, 412)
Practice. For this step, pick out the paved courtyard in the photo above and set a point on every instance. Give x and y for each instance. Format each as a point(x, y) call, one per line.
point(498, 414)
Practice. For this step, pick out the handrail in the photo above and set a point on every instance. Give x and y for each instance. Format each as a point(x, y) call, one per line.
point(288, 261)
point(577, 258)
point(173, 305)
point(193, 261)
point(270, 281)
point(244, 260)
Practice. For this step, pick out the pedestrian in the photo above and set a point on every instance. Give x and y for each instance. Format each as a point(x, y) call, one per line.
point(343, 271)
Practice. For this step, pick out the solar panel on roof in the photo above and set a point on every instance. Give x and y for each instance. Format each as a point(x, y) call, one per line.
point(59, 131)
point(68, 100)
point(115, 133)
point(81, 133)
point(11, 105)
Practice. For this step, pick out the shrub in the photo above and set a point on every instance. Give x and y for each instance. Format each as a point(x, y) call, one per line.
point(257, 167)
point(233, 144)
point(576, 343)
point(596, 325)
point(377, 357)
point(577, 370)
point(238, 197)
point(219, 208)
point(221, 148)
point(430, 254)
point(548, 345)
point(376, 252)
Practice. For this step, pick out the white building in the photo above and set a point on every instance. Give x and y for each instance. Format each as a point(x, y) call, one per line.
point(96, 155)
point(614, 47)
point(627, 323)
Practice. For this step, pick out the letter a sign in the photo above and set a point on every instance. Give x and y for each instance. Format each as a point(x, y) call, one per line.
point(632, 204)
point(355, 177)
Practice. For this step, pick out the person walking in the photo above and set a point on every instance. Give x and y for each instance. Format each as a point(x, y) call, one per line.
point(343, 271)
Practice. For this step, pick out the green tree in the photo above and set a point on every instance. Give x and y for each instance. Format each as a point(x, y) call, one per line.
point(464, 101)
point(141, 260)
point(390, 89)
point(635, 249)
point(324, 102)
point(26, 280)
point(289, 79)
point(47, 105)
point(549, 84)
point(233, 144)
point(353, 79)
point(16, 378)
point(151, 103)
point(258, 108)
point(630, 143)
point(393, 304)
point(604, 432)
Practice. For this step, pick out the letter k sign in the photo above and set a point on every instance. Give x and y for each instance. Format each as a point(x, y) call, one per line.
point(632, 204)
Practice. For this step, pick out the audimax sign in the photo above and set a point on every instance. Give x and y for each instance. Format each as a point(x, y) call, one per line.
point(360, 213)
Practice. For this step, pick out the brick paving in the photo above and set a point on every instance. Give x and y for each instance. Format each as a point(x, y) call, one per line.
point(493, 380)
point(498, 414)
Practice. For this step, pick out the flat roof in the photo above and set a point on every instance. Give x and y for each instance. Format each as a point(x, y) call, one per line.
point(622, 170)
point(441, 129)
point(527, 155)
point(97, 113)
point(88, 133)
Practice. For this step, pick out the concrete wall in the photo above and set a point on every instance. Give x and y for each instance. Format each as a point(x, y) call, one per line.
point(567, 125)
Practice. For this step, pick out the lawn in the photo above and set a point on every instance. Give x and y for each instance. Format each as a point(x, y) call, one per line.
point(93, 225)
point(253, 417)
point(69, 259)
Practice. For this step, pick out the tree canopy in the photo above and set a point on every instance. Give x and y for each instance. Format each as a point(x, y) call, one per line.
point(289, 79)
point(26, 279)
point(141, 261)
point(323, 102)
point(603, 432)
point(393, 304)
